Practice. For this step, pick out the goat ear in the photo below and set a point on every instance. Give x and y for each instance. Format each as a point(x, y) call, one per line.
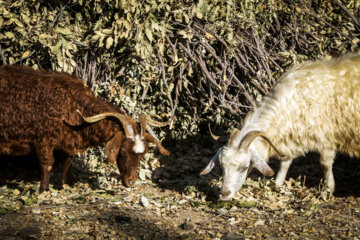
point(232, 137)
point(261, 165)
point(162, 150)
point(112, 147)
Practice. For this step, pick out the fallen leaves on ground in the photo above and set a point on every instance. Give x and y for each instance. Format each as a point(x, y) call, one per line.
point(171, 201)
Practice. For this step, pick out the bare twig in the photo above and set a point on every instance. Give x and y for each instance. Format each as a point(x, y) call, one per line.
point(145, 91)
point(230, 71)
point(201, 64)
point(204, 30)
point(2, 56)
point(23, 58)
point(162, 70)
point(121, 72)
point(173, 47)
point(357, 24)
point(330, 25)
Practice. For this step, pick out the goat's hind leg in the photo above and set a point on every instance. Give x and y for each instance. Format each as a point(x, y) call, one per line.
point(67, 177)
point(326, 161)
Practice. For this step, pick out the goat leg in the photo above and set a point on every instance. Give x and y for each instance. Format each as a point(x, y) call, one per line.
point(326, 162)
point(281, 175)
point(45, 177)
point(46, 157)
point(67, 164)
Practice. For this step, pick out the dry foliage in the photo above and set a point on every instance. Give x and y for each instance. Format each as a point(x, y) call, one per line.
point(192, 61)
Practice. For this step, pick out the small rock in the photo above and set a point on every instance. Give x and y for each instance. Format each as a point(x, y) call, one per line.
point(36, 210)
point(259, 223)
point(219, 235)
point(233, 236)
point(47, 202)
point(188, 225)
point(145, 202)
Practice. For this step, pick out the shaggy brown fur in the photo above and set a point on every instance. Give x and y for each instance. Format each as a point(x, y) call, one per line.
point(38, 113)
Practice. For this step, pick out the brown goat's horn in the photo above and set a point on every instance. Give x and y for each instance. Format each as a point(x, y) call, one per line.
point(155, 123)
point(129, 132)
point(151, 137)
point(249, 138)
point(142, 125)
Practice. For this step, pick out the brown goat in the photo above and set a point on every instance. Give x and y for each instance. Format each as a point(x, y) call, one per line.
point(46, 111)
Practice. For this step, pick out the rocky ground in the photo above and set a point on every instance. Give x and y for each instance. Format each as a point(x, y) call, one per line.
point(171, 201)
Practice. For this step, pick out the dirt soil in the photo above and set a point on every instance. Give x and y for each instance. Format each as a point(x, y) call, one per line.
point(171, 201)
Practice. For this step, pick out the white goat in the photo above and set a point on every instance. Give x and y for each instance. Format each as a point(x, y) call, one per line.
point(313, 107)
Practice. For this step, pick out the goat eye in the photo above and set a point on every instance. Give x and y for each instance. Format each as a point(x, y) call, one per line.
point(243, 169)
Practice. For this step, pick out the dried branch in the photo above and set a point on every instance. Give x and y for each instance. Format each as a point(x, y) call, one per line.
point(2, 56)
point(230, 71)
point(173, 47)
point(162, 67)
point(330, 25)
point(23, 58)
point(201, 64)
point(204, 30)
point(357, 24)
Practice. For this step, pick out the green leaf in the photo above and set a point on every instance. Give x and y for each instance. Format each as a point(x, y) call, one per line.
point(65, 32)
point(149, 34)
point(9, 35)
point(107, 31)
point(109, 42)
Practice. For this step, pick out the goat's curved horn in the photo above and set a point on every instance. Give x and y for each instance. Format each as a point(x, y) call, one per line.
point(212, 162)
point(151, 132)
point(249, 138)
point(154, 123)
point(151, 137)
point(212, 135)
point(129, 132)
point(143, 125)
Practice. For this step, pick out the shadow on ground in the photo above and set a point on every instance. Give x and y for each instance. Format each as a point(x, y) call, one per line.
point(119, 223)
point(182, 169)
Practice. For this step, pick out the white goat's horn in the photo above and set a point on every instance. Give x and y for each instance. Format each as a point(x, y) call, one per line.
point(212, 135)
point(129, 132)
point(212, 162)
point(249, 138)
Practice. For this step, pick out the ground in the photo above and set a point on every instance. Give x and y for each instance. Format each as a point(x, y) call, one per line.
point(171, 201)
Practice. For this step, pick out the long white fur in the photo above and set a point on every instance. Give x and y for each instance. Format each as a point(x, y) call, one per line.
point(313, 107)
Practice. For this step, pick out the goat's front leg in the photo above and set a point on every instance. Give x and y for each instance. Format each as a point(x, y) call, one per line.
point(326, 162)
point(46, 159)
point(281, 175)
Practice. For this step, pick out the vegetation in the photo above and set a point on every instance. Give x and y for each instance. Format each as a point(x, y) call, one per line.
point(193, 62)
